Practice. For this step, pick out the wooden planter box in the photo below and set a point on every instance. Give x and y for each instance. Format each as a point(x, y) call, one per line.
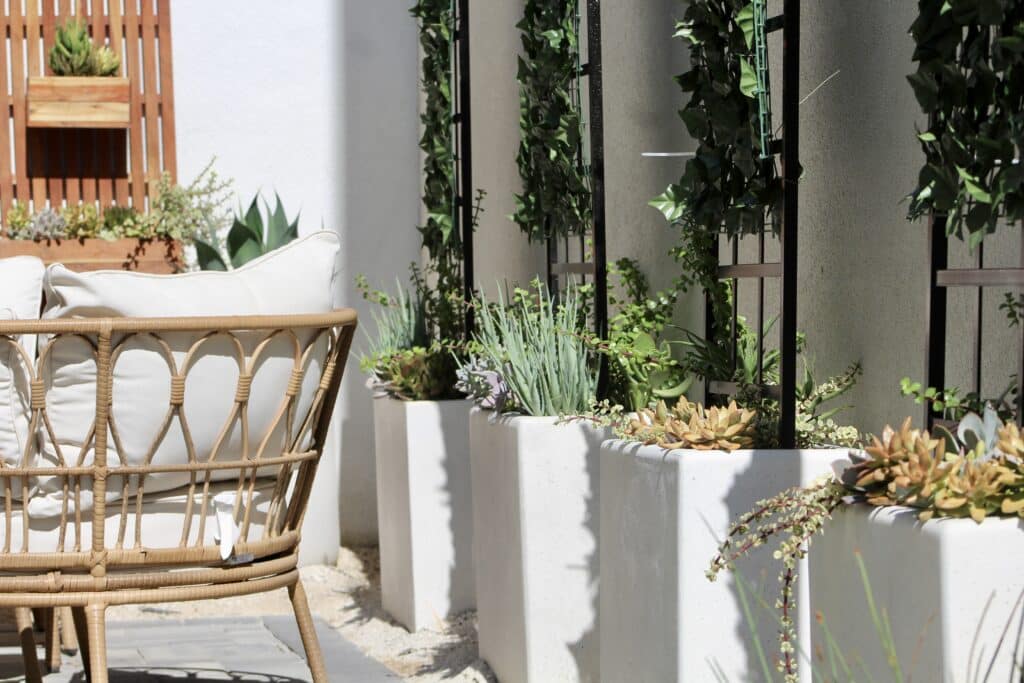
point(142, 255)
point(79, 102)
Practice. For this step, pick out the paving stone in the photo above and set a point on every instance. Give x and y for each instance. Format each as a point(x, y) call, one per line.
point(253, 650)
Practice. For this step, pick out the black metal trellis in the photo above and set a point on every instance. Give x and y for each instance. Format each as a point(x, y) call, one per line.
point(564, 258)
point(941, 279)
point(463, 158)
point(785, 270)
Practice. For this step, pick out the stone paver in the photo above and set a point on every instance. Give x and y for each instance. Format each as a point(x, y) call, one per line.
point(251, 650)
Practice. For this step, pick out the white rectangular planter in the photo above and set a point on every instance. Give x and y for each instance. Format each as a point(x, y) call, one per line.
point(662, 516)
point(535, 516)
point(424, 509)
point(949, 588)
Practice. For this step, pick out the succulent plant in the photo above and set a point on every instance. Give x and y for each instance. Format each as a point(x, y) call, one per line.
point(72, 52)
point(483, 383)
point(18, 221)
point(47, 225)
point(1011, 441)
point(691, 425)
point(250, 236)
point(82, 220)
point(106, 61)
point(125, 221)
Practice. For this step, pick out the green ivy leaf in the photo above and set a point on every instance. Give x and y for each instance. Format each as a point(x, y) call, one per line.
point(748, 79)
point(745, 20)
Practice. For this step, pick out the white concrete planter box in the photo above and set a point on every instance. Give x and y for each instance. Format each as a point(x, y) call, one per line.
point(424, 509)
point(662, 516)
point(535, 515)
point(949, 586)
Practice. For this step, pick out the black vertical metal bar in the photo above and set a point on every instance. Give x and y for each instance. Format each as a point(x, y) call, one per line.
point(935, 349)
point(760, 312)
point(790, 208)
point(1020, 351)
point(596, 92)
point(552, 260)
point(465, 161)
point(979, 322)
point(734, 287)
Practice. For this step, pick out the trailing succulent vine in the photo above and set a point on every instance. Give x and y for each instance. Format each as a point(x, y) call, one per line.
point(970, 83)
point(976, 473)
point(725, 188)
point(555, 200)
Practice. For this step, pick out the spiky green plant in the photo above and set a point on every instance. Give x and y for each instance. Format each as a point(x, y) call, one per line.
point(105, 61)
point(72, 53)
point(251, 236)
point(547, 365)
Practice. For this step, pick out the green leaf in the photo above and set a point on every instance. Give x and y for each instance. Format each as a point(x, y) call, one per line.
point(973, 187)
point(671, 203)
point(279, 231)
point(748, 79)
point(207, 257)
point(745, 20)
point(243, 246)
point(926, 137)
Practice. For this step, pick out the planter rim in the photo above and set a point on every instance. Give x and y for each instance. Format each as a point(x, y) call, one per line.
point(891, 515)
point(649, 450)
point(421, 400)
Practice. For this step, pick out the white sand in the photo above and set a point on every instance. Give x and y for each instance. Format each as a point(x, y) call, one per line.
point(347, 597)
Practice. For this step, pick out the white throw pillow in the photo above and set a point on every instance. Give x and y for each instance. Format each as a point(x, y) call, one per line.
point(21, 297)
point(298, 278)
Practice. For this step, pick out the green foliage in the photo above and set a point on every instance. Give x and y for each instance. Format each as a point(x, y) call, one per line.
point(537, 346)
point(725, 187)
point(555, 200)
point(641, 367)
point(954, 404)
point(1013, 307)
point(969, 83)
point(17, 220)
point(73, 53)
point(251, 236)
point(82, 221)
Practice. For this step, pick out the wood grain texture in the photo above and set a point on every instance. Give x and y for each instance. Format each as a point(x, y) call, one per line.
point(106, 140)
point(144, 256)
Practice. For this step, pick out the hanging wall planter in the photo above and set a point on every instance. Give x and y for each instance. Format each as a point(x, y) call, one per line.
point(79, 102)
point(424, 509)
point(663, 514)
point(535, 530)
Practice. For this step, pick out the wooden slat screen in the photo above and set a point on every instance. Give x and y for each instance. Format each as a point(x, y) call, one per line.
point(57, 166)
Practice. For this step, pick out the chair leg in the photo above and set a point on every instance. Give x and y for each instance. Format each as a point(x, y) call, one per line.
point(96, 627)
point(314, 657)
point(23, 620)
point(82, 636)
point(52, 639)
point(68, 639)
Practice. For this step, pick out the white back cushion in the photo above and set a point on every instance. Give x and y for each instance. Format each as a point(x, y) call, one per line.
point(21, 297)
point(298, 278)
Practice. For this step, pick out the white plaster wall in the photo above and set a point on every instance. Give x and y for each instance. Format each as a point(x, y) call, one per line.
point(317, 101)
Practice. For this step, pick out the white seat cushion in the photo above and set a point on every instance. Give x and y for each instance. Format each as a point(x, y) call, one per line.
point(21, 296)
point(163, 517)
point(298, 278)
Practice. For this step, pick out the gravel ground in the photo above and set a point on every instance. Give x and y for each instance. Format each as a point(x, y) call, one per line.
point(347, 596)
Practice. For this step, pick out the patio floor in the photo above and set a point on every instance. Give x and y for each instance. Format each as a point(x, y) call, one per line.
point(248, 650)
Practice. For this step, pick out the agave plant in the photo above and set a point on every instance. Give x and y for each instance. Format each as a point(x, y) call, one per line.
point(105, 62)
point(250, 236)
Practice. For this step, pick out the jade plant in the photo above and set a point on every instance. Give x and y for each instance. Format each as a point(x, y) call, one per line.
point(74, 54)
point(975, 473)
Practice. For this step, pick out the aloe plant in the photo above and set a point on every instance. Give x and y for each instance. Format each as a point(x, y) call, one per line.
point(250, 236)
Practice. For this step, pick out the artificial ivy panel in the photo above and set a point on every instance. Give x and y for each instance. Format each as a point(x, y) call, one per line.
point(970, 84)
point(556, 199)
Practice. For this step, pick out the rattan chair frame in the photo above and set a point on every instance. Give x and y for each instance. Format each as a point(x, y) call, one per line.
point(102, 571)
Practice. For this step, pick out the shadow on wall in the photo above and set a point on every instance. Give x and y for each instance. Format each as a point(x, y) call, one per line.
point(379, 205)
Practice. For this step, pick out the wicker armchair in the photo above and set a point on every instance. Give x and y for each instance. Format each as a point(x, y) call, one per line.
point(126, 543)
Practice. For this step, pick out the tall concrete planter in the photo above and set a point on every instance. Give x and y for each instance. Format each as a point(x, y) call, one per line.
point(950, 589)
point(424, 509)
point(535, 525)
point(662, 516)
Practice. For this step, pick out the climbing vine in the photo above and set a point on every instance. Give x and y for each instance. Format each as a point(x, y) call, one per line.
point(970, 83)
point(726, 188)
point(440, 237)
point(555, 200)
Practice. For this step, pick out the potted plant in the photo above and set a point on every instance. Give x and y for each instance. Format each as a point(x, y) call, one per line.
point(85, 90)
point(929, 523)
point(535, 488)
point(85, 237)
